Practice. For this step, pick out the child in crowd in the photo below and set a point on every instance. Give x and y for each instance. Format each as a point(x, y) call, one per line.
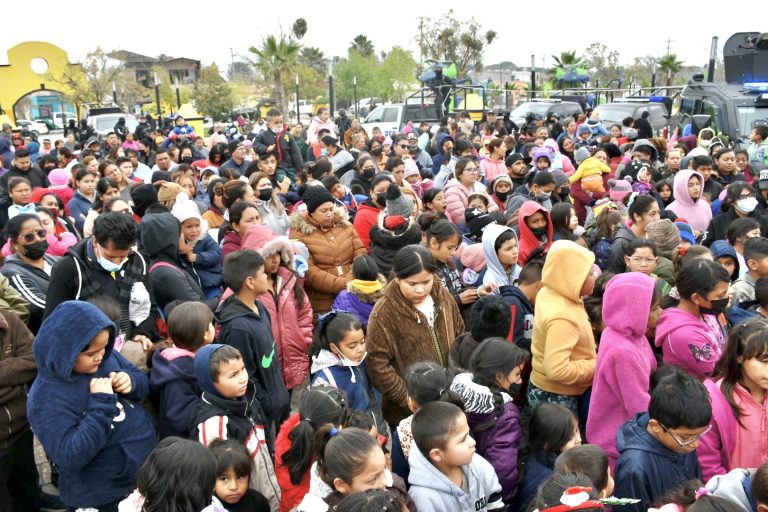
point(625, 360)
point(173, 376)
point(228, 409)
point(591, 461)
point(233, 470)
point(197, 248)
point(536, 231)
point(500, 247)
point(553, 430)
point(366, 287)
point(590, 174)
point(666, 237)
point(493, 417)
point(83, 407)
point(425, 382)
point(738, 395)
point(756, 258)
point(293, 451)
point(500, 189)
point(85, 195)
point(19, 190)
point(522, 299)
point(750, 309)
point(446, 473)
point(739, 231)
point(692, 496)
point(690, 334)
point(338, 360)
point(290, 312)
point(179, 474)
point(640, 255)
point(348, 461)
point(747, 487)
point(723, 253)
point(472, 258)
point(442, 239)
point(567, 492)
point(657, 449)
point(489, 317)
point(245, 325)
point(602, 240)
point(664, 192)
point(478, 201)
point(394, 230)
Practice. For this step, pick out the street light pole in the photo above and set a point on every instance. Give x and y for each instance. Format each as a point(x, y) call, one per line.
point(330, 87)
point(357, 107)
point(533, 76)
point(114, 92)
point(157, 99)
point(298, 107)
point(178, 94)
point(653, 74)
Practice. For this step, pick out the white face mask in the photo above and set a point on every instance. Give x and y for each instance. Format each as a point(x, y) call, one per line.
point(706, 143)
point(348, 362)
point(746, 205)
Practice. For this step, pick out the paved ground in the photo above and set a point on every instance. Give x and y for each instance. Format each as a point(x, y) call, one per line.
point(44, 469)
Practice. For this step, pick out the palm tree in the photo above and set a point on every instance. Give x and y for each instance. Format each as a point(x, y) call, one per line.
point(275, 60)
point(671, 66)
point(564, 60)
point(363, 45)
point(313, 57)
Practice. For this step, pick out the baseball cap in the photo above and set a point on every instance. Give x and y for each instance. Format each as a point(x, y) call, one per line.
point(489, 112)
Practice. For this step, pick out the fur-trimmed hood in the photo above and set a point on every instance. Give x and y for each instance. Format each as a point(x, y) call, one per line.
point(261, 238)
point(368, 298)
point(303, 223)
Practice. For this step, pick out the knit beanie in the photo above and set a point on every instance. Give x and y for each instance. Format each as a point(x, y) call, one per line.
point(411, 169)
point(512, 158)
point(143, 197)
point(184, 208)
point(397, 203)
point(580, 155)
point(476, 220)
point(58, 177)
point(315, 196)
point(686, 232)
point(664, 234)
point(490, 317)
point(619, 189)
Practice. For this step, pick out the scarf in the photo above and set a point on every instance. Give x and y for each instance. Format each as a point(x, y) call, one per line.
point(368, 287)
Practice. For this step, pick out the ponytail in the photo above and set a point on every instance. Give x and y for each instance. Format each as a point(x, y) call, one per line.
point(429, 382)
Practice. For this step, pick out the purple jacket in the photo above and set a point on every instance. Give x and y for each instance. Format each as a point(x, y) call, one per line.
point(173, 379)
point(715, 448)
point(625, 361)
point(499, 444)
point(356, 302)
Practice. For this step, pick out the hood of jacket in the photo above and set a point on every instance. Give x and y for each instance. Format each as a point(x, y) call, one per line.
point(630, 296)
point(368, 298)
point(593, 166)
point(648, 144)
point(700, 140)
point(528, 241)
point(675, 319)
point(304, 224)
point(494, 267)
point(566, 268)
point(60, 339)
point(633, 435)
point(324, 359)
point(159, 235)
point(440, 139)
point(680, 187)
point(261, 238)
point(424, 474)
point(171, 364)
point(721, 248)
point(203, 369)
point(624, 232)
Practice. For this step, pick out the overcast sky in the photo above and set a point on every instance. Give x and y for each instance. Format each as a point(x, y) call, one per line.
point(207, 30)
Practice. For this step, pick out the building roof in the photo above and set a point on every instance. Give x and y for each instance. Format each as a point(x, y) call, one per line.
point(131, 57)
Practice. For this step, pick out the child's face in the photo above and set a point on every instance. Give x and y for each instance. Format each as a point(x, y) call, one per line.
point(230, 488)
point(373, 476)
point(575, 438)
point(190, 228)
point(508, 253)
point(755, 371)
point(258, 282)
point(759, 267)
point(442, 251)
point(573, 223)
point(679, 440)
point(608, 491)
point(513, 377)
point(642, 260)
point(479, 204)
point(438, 203)
point(742, 161)
point(728, 262)
point(459, 448)
point(20, 194)
point(88, 360)
point(665, 192)
point(272, 264)
point(654, 315)
point(542, 163)
point(705, 170)
point(232, 380)
point(352, 346)
point(87, 185)
point(412, 179)
point(536, 221)
point(502, 187)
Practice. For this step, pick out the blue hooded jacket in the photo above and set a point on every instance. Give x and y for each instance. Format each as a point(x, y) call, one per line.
point(437, 160)
point(721, 248)
point(98, 440)
point(173, 379)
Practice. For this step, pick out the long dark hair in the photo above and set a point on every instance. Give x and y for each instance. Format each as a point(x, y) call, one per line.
point(747, 340)
point(342, 454)
point(561, 218)
point(429, 382)
point(321, 405)
point(412, 259)
point(332, 328)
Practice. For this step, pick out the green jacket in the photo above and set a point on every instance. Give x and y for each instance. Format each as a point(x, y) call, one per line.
point(11, 300)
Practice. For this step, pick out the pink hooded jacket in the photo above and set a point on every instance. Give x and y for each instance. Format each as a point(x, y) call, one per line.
point(690, 343)
point(697, 212)
point(625, 360)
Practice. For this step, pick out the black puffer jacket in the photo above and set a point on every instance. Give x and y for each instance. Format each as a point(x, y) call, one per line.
point(386, 242)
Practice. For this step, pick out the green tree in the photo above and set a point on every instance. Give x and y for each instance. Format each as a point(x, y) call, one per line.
point(670, 65)
point(459, 41)
point(211, 95)
point(355, 66)
point(277, 58)
point(91, 81)
point(604, 62)
point(314, 58)
point(395, 77)
point(363, 46)
point(241, 72)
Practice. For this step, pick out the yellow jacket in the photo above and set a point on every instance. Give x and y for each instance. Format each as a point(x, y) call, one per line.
point(589, 167)
point(563, 346)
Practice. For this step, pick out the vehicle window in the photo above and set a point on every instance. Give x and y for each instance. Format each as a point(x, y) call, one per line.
point(711, 110)
point(749, 117)
point(614, 113)
point(377, 116)
point(390, 115)
point(105, 123)
point(570, 110)
point(530, 108)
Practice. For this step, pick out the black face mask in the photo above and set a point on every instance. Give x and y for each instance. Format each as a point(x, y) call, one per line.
point(265, 194)
point(513, 389)
point(565, 192)
point(187, 160)
point(381, 199)
point(376, 152)
point(502, 195)
point(718, 307)
point(539, 232)
point(369, 174)
point(36, 250)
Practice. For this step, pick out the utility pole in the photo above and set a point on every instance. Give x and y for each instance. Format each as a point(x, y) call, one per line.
point(232, 65)
point(669, 44)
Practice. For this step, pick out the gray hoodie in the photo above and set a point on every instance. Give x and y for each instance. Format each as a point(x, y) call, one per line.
point(735, 486)
point(431, 490)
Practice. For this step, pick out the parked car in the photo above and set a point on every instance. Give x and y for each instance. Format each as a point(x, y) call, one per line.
point(49, 123)
point(544, 107)
point(305, 108)
point(62, 118)
point(31, 126)
point(613, 113)
point(102, 124)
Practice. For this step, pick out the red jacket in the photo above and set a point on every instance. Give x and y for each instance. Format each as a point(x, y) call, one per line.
point(366, 217)
point(291, 328)
point(528, 241)
point(291, 495)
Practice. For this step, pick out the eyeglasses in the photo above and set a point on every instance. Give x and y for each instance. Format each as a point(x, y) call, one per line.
point(30, 237)
point(690, 441)
point(471, 169)
point(647, 261)
point(748, 196)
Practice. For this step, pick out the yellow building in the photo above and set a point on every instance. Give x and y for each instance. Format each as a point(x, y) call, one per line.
point(26, 90)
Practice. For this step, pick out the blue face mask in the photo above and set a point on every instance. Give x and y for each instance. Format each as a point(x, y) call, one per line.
point(106, 264)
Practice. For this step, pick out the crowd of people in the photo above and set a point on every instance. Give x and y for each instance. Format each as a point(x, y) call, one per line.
point(465, 316)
